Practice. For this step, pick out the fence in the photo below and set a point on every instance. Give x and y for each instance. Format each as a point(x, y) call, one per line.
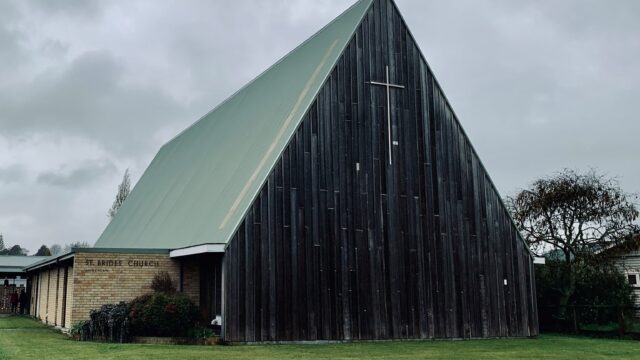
point(593, 319)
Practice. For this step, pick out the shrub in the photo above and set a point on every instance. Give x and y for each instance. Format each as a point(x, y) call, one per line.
point(200, 332)
point(600, 290)
point(110, 323)
point(595, 285)
point(162, 314)
point(162, 283)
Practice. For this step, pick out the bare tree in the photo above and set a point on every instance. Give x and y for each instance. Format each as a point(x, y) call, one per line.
point(78, 244)
point(575, 214)
point(55, 249)
point(123, 191)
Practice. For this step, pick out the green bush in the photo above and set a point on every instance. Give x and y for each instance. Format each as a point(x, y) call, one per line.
point(161, 314)
point(595, 285)
point(600, 293)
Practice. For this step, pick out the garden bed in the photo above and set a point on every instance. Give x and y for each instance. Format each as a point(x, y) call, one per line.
point(163, 340)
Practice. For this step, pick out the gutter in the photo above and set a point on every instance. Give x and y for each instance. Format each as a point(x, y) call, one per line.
point(47, 262)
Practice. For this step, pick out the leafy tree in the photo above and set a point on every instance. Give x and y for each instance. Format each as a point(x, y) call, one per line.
point(575, 214)
point(123, 191)
point(16, 250)
point(77, 244)
point(55, 249)
point(43, 251)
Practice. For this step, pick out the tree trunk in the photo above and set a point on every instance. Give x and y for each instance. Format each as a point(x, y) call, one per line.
point(568, 289)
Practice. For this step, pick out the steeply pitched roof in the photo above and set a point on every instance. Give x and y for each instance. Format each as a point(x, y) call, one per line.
point(198, 187)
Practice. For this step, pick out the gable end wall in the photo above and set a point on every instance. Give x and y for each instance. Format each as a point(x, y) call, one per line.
point(339, 245)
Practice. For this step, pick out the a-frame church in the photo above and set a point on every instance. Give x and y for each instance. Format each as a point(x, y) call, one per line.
point(334, 197)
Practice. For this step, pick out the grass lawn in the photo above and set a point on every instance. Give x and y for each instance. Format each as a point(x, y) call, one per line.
point(19, 322)
point(23, 338)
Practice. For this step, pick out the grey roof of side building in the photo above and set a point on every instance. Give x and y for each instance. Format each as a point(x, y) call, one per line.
point(9, 263)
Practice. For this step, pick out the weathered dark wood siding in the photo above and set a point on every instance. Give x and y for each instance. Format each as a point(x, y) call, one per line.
point(341, 245)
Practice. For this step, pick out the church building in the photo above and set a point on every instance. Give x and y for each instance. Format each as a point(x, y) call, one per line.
point(334, 197)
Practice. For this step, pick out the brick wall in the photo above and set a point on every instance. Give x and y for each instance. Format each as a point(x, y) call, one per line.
point(47, 295)
point(36, 301)
point(44, 295)
point(106, 278)
point(191, 280)
point(59, 297)
point(103, 278)
point(34, 289)
point(51, 304)
point(43, 306)
point(67, 322)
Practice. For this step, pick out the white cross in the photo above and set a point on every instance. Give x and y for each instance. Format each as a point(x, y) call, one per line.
point(388, 85)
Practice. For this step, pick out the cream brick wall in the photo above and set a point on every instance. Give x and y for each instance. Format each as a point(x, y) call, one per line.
point(107, 278)
point(67, 315)
point(41, 289)
point(35, 301)
point(42, 303)
point(191, 281)
point(51, 303)
point(59, 298)
point(104, 278)
point(33, 304)
point(44, 295)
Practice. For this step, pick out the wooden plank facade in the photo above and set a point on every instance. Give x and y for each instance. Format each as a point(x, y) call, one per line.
point(341, 244)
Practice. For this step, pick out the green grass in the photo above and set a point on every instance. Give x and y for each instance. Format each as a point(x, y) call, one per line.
point(23, 338)
point(20, 322)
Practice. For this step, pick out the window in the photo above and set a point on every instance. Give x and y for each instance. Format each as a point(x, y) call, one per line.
point(633, 279)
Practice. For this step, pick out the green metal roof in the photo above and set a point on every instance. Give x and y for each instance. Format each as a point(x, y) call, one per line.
point(198, 187)
point(18, 263)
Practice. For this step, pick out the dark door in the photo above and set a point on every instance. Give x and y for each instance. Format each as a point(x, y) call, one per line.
point(210, 286)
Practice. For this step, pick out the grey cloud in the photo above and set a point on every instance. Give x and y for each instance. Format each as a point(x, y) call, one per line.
point(12, 52)
point(88, 97)
point(539, 86)
point(67, 7)
point(13, 174)
point(86, 173)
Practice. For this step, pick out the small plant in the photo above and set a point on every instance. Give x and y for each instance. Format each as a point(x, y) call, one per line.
point(200, 332)
point(76, 329)
point(162, 283)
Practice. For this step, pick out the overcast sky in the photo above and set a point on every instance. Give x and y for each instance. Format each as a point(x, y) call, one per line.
point(90, 88)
